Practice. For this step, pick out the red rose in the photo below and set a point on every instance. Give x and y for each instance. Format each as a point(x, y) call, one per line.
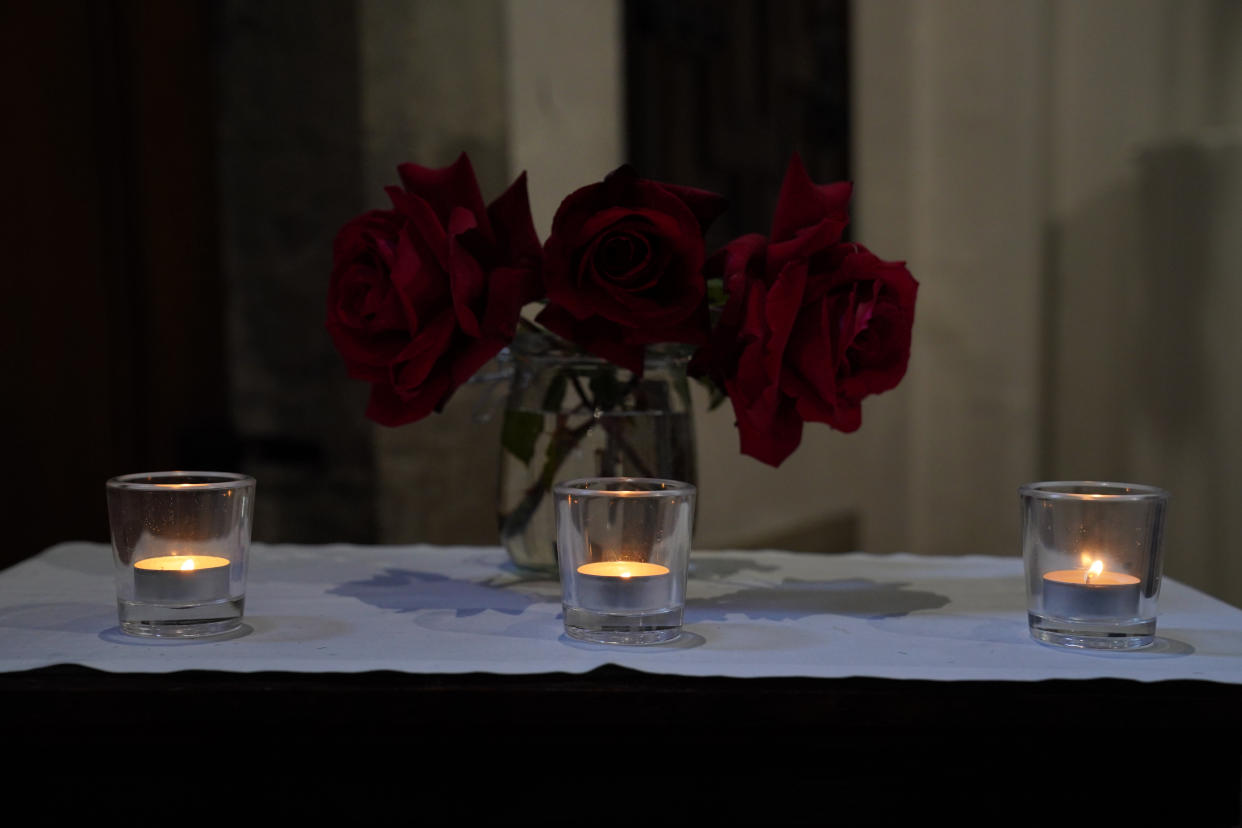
point(623, 266)
point(811, 325)
point(424, 294)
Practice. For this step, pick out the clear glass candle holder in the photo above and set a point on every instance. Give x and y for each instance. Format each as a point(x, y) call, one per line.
point(179, 546)
point(1094, 558)
point(623, 546)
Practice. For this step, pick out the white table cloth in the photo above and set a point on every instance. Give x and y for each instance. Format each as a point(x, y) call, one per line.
point(424, 609)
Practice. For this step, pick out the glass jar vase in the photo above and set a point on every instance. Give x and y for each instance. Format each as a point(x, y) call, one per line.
point(573, 415)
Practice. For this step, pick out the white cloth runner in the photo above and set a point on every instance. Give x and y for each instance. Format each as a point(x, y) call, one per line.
point(423, 609)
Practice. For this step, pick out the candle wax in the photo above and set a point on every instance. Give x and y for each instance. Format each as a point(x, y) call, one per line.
point(181, 579)
point(623, 569)
point(622, 586)
point(1069, 593)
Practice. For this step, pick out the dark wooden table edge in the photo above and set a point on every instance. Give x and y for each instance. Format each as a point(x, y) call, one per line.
point(852, 701)
point(852, 751)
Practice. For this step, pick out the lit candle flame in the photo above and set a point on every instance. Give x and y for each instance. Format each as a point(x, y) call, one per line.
point(1095, 569)
point(189, 564)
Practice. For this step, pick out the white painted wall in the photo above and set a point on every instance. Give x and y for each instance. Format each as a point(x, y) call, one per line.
point(950, 141)
point(1066, 180)
point(565, 96)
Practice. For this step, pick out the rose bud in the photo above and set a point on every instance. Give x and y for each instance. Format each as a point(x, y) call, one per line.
point(623, 266)
point(424, 294)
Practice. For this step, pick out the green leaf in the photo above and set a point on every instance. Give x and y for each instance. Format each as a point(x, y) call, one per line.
point(716, 295)
point(562, 443)
point(605, 389)
point(555, 395)
point(519, 432)
point(716, 394)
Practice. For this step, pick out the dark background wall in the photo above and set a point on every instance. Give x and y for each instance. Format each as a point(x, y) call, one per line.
point(289, 174)
point(113, 347)
point(176, 173)
point(719, 92)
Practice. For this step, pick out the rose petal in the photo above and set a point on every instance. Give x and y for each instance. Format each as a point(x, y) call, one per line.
point(509, 290)
point(810, 326)
point(473, 356)
point(600, 337)
point(623, 259)
point(768, 429)
point(781, 308)
point(416, 362)
point(419, 284)
point(812, 357)
point(425, 228)
point(466, 277)
point(389, 408)
point(706, 206)
point(425, 293)
point(752, 374)
point(514, 228)
point(805, 243)
point(695, 329)
point(454, 186)
point(803, 203)
point(673, 288)
point(738, 256)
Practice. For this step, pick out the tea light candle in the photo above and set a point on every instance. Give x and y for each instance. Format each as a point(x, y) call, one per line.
point(623, 586)
point(181, 579)
point(1091, 593)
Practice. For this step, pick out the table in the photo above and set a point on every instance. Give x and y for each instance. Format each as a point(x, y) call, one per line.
point(828, 679)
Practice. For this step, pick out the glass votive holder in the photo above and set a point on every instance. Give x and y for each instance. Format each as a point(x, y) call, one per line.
point(623, 545)
point(1094, 557)
point(179, 546)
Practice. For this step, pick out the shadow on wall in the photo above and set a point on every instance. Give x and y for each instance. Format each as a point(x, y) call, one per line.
point(1144, 378)
point(834, 534)
point(1186, 395)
